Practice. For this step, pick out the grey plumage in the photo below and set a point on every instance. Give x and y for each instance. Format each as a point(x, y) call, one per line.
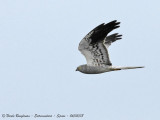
point(94, 47)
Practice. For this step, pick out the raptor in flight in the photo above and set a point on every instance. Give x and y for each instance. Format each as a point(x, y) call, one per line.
point(94, 47)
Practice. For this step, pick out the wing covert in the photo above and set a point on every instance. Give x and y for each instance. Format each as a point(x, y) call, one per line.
point(94, 45)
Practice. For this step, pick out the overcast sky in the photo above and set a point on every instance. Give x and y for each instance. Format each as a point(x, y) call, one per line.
point(39, 54)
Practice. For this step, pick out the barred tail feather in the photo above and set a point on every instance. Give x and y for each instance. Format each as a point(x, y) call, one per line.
point(125, 68)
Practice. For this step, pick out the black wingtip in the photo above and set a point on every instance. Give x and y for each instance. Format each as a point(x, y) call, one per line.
point(113, 38)
point(118, 37)
point(115, 22)
point(101, 31)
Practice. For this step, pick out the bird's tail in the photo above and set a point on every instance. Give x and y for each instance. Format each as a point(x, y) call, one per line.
point(125, 68)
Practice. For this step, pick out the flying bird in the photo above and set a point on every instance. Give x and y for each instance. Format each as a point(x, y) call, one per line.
point(94, 47)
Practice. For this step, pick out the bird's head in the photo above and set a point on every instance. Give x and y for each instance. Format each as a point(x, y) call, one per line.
point(78, 68)
point(82, 68)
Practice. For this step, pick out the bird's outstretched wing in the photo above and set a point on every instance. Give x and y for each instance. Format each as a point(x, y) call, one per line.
point(94, 45)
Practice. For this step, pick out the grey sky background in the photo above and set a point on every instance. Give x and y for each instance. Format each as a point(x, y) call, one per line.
point(39, 54)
